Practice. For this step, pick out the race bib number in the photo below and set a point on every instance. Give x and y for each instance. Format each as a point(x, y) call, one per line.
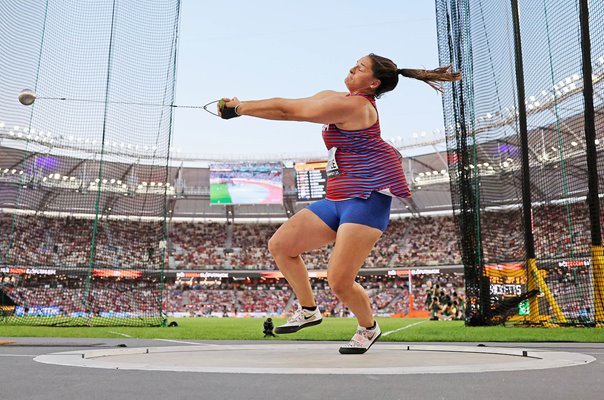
point(332, 166)
point(398, 153)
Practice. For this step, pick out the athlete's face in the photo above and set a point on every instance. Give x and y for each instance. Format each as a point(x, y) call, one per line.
point(360, 77)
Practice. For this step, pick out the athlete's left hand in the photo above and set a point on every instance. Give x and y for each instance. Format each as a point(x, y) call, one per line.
point(226, 110)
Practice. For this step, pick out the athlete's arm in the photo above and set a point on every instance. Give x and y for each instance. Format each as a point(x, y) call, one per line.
point(327, 107)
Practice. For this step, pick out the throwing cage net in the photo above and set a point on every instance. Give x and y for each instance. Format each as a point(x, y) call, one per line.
point(90, 154)
point(525, 143)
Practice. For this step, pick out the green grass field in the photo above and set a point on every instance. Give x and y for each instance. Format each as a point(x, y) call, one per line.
point(219, 194)
point(419, 330)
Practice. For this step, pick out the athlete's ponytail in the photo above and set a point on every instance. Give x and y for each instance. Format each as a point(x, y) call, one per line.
point(432, 77)
point(387, 72)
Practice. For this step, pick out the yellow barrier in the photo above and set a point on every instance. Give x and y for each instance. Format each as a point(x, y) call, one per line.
point(533, 301)
point(597, 254)
point(536, 275)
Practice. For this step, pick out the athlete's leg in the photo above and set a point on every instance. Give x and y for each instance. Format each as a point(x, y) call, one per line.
point(353, 244)
point(303, 232)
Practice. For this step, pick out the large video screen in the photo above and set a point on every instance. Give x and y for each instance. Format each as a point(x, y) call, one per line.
point(246, 183)
point(311, 180)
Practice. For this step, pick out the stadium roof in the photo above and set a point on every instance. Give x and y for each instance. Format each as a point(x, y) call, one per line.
point(38, 175)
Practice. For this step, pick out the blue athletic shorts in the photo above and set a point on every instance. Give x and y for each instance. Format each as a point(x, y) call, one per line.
point(373, 211)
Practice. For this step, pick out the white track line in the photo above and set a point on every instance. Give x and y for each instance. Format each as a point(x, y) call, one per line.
point(122, 334)
point(180, 341)
point(404, 327)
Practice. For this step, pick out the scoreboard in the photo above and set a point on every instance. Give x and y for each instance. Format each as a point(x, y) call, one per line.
point(311, 180)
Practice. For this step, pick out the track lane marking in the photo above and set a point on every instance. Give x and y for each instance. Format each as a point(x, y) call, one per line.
point(404, 327)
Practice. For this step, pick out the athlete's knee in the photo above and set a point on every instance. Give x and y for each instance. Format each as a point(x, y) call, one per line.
point(279, 246)
point(340, 287)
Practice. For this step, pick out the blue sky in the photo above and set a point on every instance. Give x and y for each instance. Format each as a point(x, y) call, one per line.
point(262, 49)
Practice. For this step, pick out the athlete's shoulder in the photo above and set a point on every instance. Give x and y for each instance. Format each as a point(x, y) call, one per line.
point(328, 93)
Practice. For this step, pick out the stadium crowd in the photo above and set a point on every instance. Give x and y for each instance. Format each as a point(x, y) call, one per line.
point(559, 231)
point(223, 298)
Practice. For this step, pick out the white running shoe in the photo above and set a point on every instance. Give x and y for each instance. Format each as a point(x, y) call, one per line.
point(301, 319)
point(362, 340)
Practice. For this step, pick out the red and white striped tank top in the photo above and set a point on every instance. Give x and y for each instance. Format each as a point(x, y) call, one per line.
point(361, 162)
